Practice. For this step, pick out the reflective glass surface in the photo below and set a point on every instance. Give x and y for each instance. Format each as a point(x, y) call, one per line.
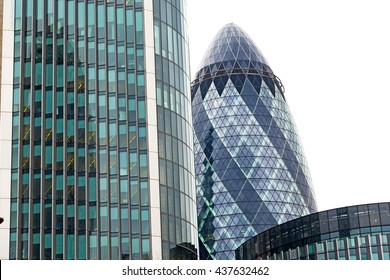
point(70, 159)
point(349, 233)
point(80, 169)
point(175, 145)
point(251, 172)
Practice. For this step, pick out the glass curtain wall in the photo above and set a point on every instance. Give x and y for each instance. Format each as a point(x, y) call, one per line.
point(175, 143)
point(79, 153)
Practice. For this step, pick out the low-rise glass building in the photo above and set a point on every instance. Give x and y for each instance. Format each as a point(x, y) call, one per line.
point(359, 232)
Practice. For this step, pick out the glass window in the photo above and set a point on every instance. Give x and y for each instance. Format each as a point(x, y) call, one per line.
point(102, 79)
point(91, 78)
point(134, 192)
point(145, 248)
point(80, 23)
point(111, 55)
point(101, 20)
point(333, 223)
point(124, 220)
point(385, 213)
point(122, 108)
point(135, 249)
point(113, 135)
point(103, 218)
point(135, 221)
point(93, 247)
point(113, 163)
point(114, 219)
point(140, 59)
point(132, 110)
point(59, 245)
point(353, 217)
point(123, 163)
point(133, 137)
point(102, 133)
point(144, 194)
point(112, 80)
point(121, 82)
point(104, 247)
point(143, 165)
point(374, 215)
point(141, 111)
point(131, 83)
point(91, 19)
point(363, 216)
point(91, 52)
point(60, 75)
point(324, 226)
point(130, 58)
point(164, 199)
point(124, 191)
point(103, 161)
point(114, 248)
point(142, 138)
point(162, 172)
point(133, 164)
point(139, 27)
point(141, 85)
point(130, 25)
point(120, 22)
point(122, 135)
point(103, 189)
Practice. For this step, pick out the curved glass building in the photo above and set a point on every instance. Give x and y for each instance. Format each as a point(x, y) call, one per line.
point(101, 137)
point(251, 173)
point(359, 232)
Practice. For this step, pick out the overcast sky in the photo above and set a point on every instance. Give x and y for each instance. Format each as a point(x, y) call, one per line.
point(333, 58)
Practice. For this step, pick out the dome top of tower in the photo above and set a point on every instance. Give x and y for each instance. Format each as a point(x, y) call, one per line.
point(232, 44)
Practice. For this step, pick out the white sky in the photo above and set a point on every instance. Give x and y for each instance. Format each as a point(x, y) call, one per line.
point(333, 58)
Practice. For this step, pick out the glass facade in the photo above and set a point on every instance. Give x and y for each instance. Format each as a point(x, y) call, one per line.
point(350, 233)
point(251, 172)
point(175, 146)
point(80, 181)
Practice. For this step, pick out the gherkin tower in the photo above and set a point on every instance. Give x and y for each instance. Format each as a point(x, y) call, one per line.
point(251, 173)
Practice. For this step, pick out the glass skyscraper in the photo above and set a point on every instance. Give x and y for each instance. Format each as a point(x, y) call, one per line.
point(98, 163)
point(251, 173)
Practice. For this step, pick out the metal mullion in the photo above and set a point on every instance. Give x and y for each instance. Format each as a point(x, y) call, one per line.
point(127, 123)
point(21, 121)
point(88, 235)
point(32, 144)
point(97, 147)
point(75, 132)
point(86, 123)
point(65, 122)
point(118, 153)
point(85, 144)
point(87, 177)
point(43, 144)
point(54, 127)
point(76, 124)
point(107, 146)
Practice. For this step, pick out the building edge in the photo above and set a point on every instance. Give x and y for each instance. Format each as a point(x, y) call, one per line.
point(7, 54)
point(151, 112)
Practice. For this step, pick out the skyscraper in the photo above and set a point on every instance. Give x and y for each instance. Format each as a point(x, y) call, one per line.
point(251, 173)
point(98, 162)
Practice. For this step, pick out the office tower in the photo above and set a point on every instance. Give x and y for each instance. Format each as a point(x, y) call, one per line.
point(360, 232)
point(251, 173)
point(97, 119)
